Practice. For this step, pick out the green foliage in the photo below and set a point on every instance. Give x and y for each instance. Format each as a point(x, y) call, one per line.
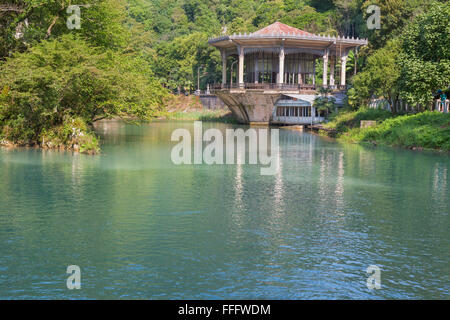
point(297, 13)
point(102, 23)
point(353, 58)
point(177, 62)
point(324, 102)
point(395, 15)
point(380, 76)
point(65, 79)
point(415, 63)
point(425, 61)
point(73, 133)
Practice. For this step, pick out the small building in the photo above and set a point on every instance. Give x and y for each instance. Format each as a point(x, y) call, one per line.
point(276, 73)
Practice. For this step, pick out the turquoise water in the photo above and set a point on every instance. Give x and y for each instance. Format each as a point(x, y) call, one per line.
point(140, 227)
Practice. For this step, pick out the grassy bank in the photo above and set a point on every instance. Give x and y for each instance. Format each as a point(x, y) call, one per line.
point(427, 130)
point(201, 115)
point(180, 107)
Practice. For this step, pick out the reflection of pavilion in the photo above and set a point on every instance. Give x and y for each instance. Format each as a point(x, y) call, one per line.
point(276, 63)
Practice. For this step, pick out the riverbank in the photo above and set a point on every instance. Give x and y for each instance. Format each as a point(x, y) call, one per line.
point(201, 115)
point(426, 130)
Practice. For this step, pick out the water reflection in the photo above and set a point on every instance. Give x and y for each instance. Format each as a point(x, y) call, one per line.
point(278, 190)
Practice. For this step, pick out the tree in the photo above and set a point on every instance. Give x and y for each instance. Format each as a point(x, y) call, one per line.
point(102, 23)
point(380, 76)
point(395, 15)
point(62, 81)
point(324, 102)
point(177, 61)
point(425, 61)
point(349, 18)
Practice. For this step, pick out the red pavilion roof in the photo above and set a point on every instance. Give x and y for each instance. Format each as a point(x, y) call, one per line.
point(279, 28)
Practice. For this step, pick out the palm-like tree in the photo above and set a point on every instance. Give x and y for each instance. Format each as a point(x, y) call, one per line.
point(324, 101)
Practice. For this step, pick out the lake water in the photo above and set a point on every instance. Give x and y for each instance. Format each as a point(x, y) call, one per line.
point(141, 227)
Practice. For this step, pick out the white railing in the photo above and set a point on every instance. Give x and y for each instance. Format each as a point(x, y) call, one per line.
point(398, 106)
point(442, 106)
point(297, 120)
point(404, 106)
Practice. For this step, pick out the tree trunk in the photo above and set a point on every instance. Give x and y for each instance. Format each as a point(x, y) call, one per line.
point(393, 102)
point(49, 30)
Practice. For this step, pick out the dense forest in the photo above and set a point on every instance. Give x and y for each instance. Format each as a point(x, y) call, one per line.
point(128, 55)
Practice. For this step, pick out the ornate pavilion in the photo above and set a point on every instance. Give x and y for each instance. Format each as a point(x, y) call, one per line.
point(276, 73)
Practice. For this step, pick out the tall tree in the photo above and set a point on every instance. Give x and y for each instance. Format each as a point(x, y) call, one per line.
point(380, 76)
point(425, 63)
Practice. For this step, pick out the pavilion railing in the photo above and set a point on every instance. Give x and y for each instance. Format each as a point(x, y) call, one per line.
point(264, 86)
point(273, 86)
point(403, 106)
point(337, 87)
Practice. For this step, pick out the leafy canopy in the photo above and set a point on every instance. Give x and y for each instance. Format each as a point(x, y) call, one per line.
point(67, 78)
point(425, 61)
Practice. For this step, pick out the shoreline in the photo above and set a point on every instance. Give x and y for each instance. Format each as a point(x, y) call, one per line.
point(6, 144)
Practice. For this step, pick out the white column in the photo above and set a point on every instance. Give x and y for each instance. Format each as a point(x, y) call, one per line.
point(256, 68)
point(343, 67)
point(224, 67)
point(314, 73)
point(325, 68)
point(332, 59)
point(241, 65)
point(281, 65)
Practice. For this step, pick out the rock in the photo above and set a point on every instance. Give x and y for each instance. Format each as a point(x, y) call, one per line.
point(367, 123)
